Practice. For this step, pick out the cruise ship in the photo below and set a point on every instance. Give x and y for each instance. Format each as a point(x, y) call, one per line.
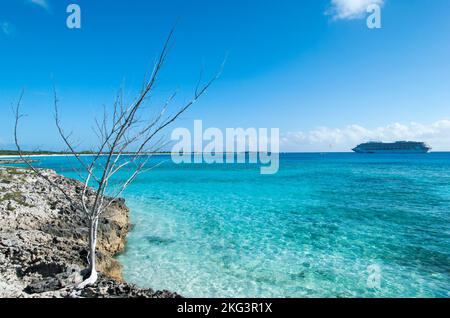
point(400, 147)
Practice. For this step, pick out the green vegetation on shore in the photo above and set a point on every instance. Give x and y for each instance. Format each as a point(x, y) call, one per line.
point(38, 152)
point(7, 176)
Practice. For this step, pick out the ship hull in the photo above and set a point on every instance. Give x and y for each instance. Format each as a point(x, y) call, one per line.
point(399, 147)
point(421, 151)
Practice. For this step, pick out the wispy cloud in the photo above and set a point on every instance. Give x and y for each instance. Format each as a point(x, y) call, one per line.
point(350, 9)
point(42, 3)
point(7, 28)
point(341, 139)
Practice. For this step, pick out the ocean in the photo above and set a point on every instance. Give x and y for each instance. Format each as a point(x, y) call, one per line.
point(326, 225)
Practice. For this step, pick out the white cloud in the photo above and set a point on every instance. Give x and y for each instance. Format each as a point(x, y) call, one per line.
point(6, 28)
point(42, 3)
point(350, 9)
point(343, 139)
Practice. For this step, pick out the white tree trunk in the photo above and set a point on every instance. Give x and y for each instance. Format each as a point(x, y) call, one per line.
point(93, 227)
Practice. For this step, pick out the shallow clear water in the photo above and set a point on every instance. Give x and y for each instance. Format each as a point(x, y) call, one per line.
point(311, 230)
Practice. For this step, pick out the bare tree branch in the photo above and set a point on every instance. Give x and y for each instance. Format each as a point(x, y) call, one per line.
point(125, 143)
point(18, 116)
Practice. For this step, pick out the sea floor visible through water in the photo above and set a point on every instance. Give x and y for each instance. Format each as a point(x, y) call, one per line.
point(326, 225)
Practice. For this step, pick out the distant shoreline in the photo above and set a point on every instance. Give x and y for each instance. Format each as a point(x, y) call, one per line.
point(169, 154)
point(50, 155)
point(145, 154)
point(71, 155)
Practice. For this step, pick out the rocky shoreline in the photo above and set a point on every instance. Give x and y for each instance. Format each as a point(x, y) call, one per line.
point(43, 241)
point(16, 161)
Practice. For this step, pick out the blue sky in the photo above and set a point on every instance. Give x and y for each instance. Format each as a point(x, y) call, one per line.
point(311, 68)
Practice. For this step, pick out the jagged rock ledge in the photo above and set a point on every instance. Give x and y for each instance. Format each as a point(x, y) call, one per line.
point(43, 241)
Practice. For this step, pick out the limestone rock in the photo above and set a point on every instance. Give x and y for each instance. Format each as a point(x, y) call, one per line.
point(43, 240)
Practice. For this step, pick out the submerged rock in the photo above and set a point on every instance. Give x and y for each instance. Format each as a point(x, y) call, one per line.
point(16, 161)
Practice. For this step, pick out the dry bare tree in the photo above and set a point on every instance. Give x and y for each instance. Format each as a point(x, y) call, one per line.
point(125, 140)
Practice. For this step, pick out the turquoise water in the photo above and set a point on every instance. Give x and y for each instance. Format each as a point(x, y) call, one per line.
point(312, 230)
